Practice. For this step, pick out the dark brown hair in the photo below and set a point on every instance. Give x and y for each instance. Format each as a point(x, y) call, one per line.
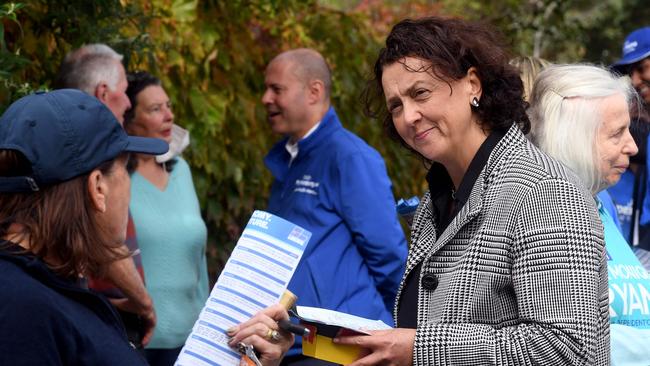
point(452, 46)
point(139, 81)
point(58, 221)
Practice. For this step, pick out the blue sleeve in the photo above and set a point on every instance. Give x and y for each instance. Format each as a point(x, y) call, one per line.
point(368, 208)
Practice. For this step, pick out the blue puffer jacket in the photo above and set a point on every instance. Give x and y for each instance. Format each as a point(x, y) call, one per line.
point(337, 188)
point(46, 320)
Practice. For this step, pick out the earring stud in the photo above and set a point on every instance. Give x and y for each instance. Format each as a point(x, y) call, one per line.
point(474, 102)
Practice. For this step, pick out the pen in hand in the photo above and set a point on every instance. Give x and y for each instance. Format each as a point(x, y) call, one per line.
point(296, 329)
point(288, 300)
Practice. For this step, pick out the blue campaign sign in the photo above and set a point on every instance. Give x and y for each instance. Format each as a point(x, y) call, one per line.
point(629, 284)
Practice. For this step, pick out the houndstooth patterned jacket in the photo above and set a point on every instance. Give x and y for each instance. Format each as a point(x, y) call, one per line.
point(519, 277)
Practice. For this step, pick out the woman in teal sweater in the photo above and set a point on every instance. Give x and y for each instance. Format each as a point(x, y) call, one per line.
point(171, 233)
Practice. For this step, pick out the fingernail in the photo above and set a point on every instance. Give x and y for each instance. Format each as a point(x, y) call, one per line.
point(232, 330)
point(335, 340)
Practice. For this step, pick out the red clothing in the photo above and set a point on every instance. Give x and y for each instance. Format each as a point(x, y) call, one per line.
point(104, 285)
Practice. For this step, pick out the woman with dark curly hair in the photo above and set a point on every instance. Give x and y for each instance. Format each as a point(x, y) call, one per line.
point(507, 261)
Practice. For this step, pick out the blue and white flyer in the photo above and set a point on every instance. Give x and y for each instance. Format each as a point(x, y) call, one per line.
point(255, 276)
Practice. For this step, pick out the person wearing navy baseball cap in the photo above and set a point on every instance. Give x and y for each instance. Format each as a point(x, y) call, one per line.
point(630, 194)
point(64, 196)
point(635, 61)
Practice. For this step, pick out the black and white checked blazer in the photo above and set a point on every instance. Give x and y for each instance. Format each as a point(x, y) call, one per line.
point(521, 270)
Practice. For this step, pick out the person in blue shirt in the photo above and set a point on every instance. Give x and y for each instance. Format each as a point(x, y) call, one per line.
point(329, 181)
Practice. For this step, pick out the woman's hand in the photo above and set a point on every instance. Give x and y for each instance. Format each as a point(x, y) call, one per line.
point(383, 347)
point(257, 332)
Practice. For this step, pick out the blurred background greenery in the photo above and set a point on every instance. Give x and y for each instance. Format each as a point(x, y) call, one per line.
point(211, 57)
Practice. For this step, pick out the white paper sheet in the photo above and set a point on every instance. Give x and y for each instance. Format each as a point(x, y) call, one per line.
point(331, 317)
point(255, 276)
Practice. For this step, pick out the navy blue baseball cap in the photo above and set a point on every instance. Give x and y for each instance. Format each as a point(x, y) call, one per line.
point(635, 48)
point(64, 134)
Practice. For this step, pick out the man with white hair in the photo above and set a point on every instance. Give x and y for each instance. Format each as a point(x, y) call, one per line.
point(97, 70)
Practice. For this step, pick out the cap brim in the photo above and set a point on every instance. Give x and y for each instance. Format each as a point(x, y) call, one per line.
point(627, 61)
point(146, 145)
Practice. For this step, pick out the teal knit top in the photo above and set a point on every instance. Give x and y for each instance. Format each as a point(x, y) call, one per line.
point(172, 238)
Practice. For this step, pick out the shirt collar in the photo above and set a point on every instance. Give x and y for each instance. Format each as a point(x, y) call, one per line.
point(440, 182)
point(292, 147)
point(477, 164)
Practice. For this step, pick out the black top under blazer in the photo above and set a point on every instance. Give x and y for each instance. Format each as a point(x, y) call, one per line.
point(519, 277)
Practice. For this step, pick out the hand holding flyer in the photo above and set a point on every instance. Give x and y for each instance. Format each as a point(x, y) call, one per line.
point(255, 276)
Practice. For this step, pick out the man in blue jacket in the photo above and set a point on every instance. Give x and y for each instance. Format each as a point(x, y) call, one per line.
point(332, 183)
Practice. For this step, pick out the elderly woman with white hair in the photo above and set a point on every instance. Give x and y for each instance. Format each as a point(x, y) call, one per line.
point(580, 116)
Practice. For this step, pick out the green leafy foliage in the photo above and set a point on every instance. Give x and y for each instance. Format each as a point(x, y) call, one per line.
point(10, 60)
point(211, 57)
point(559, 30)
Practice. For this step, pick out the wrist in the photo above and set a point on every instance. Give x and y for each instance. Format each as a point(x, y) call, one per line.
point(145, 305)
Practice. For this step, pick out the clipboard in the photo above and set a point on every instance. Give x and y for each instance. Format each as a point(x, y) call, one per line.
point(325, 325)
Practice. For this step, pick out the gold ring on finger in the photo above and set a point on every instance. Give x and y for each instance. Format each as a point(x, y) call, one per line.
point(273, 335)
